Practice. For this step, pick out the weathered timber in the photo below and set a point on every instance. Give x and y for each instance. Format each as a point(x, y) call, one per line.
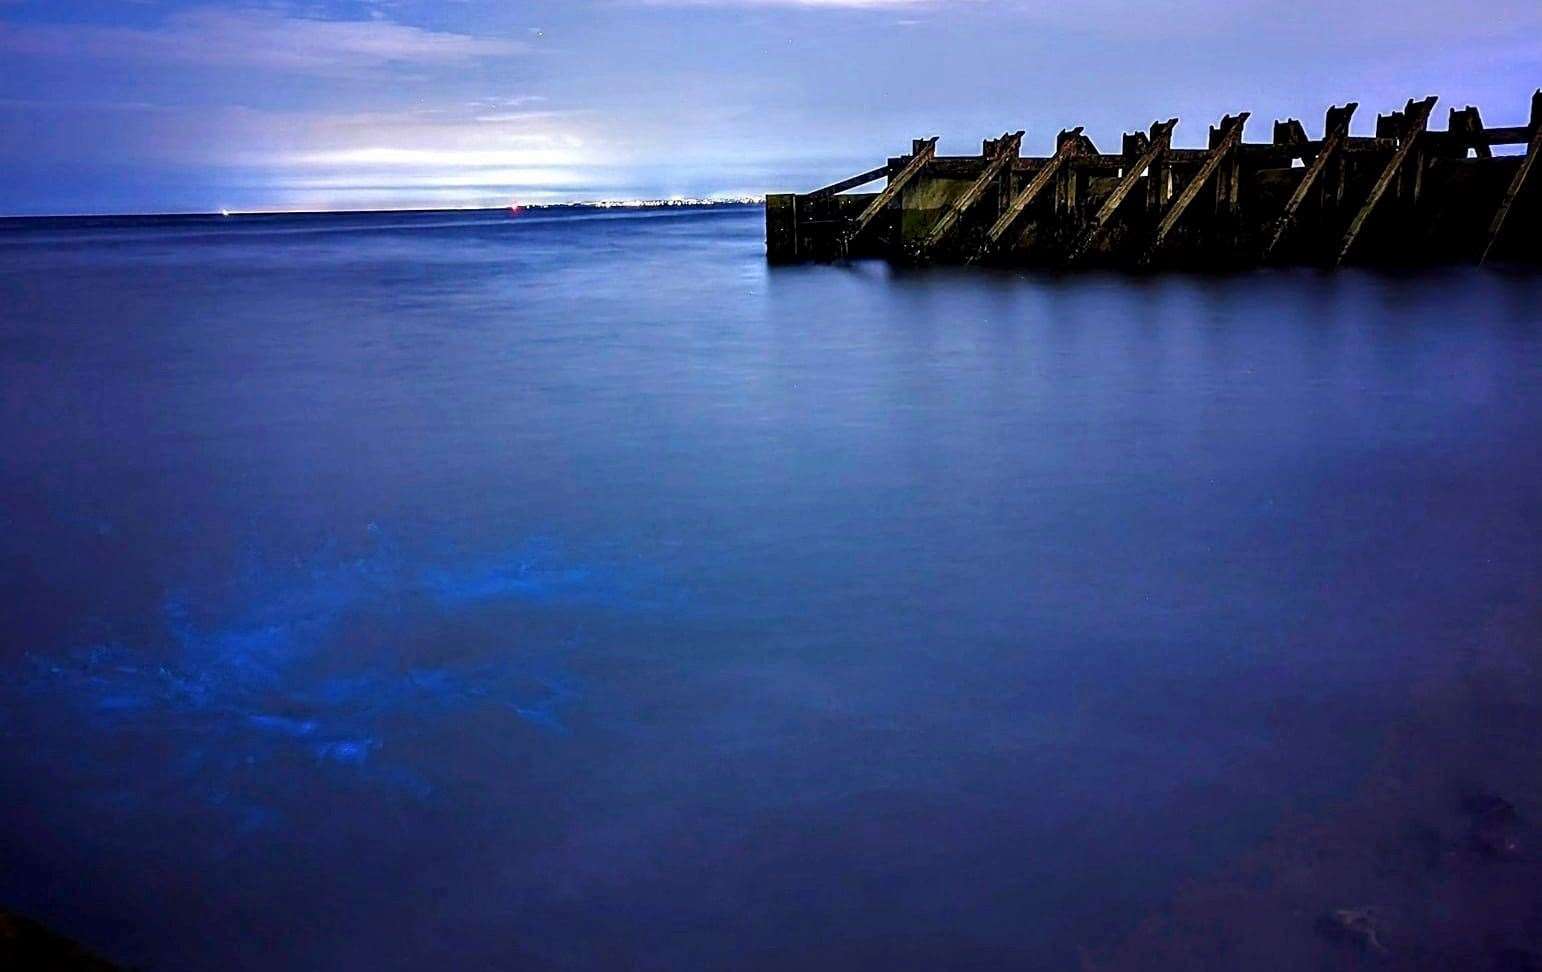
point(1519, 181)
point(1415, 117)
point(1403, 194)
point(1068, 144)
point(1006, 153)
point(1291, 134)
point(925, 149)
point(1335, 132)
point(1231, 135)
point(1159, 142)
point(1466, 130)
point(860, 179)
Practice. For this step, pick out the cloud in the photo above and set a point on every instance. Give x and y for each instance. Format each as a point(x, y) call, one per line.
point(258, 38)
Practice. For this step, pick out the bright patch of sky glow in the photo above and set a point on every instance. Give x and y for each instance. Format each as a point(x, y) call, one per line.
point(199, 105)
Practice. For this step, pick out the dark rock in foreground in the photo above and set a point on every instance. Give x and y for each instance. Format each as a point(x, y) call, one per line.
point(26, 946)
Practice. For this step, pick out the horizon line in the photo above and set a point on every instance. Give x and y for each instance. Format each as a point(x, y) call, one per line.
point(675, 201)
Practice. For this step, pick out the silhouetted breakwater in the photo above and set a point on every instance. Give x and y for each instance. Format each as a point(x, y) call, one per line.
point(1403, 195)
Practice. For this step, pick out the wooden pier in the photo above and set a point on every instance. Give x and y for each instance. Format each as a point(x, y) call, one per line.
point(1405, 195)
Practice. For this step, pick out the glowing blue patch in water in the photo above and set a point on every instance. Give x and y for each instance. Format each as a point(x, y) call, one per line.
point(284, 725)
point(352, 751)
point(543, 714)
point(523, 579)
point(246, 674)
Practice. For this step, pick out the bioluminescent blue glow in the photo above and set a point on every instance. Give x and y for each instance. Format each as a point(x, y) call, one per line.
point(247, 669)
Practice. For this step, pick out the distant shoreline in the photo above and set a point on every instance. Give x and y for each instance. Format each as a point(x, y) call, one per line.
point(639, 204)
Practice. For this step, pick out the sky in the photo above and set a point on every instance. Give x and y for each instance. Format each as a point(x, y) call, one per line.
point(110, 106)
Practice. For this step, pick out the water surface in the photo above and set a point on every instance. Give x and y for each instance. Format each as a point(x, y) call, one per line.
point(578, 592)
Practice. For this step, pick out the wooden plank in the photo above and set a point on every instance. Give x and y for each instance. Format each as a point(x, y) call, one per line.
point(925, 149)
point(857, 180)
point(1336, 131)
point(1006, 153)
point(1509, 135)
point(1487, 137)
point(1518, 182)
point(1416, 116)
point(1160, 140)
point(1231, 134)
point(1069, 144)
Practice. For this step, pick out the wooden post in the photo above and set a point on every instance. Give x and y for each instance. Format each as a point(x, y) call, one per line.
point(924, 150)
point(1066, 145)
point(782, 227)
point(1158, 186)
point(1006, 150)
point(1334, 134)
point(1416, 117)
point(1156, 146)
point(1228, 183)
point(1290, 132)
point(1068, 184)
point(1065, 192)
point(1468, 122)
point(1228, 137)
point(1519, 181)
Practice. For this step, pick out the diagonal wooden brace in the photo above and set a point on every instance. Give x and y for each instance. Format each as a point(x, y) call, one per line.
point(1416, 117)
point(1334, 136)
point(925, 152)
point(1068, 145)
point(860, 179)
point(1160, 141)
point(1006, 153)
point(1229, 136)
point(1533, 148)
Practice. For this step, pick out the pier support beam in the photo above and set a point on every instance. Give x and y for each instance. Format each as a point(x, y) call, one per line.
point(1334, 135)
point(1067, 145)
point(1533, 148)
point(1228, 189)
point(1068, 183)
point(1007, 149)
point(861, 179)
point(924, 150)
point(1415, 118)
point(1229, 136)
point(1158, 143)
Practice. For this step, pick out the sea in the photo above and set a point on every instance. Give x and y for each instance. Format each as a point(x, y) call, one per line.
point(573, 590)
